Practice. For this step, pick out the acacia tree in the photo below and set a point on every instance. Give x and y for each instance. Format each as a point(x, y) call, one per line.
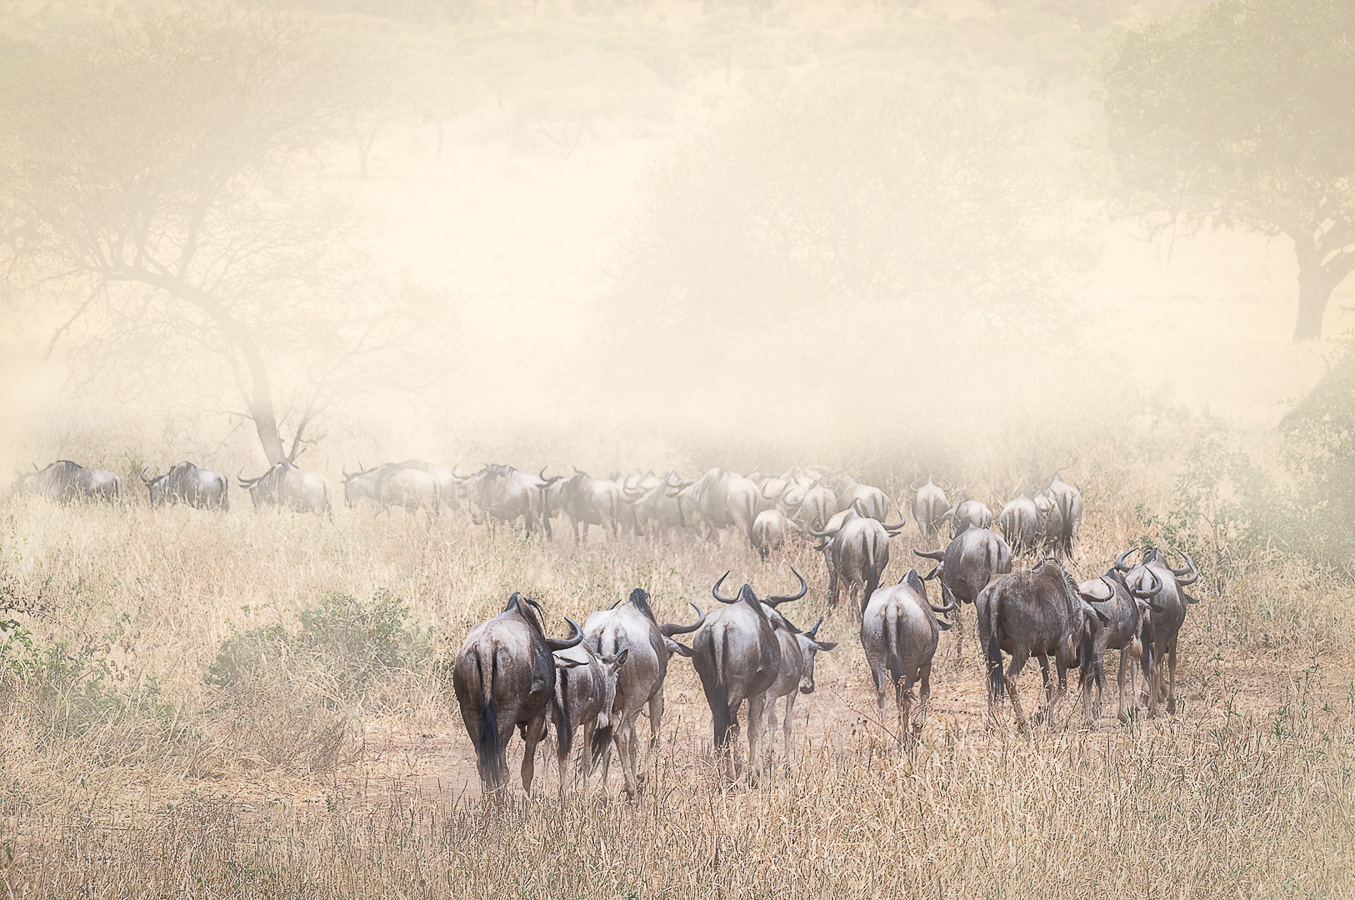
point(1239, 114)
point(169, 180)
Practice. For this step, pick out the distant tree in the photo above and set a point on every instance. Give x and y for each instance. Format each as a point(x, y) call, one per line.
point(169, 178)
point(1239, 114)
point(846, 197)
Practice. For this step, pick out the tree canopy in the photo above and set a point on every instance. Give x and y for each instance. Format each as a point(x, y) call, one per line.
point(1239, 114)
point(168, 179)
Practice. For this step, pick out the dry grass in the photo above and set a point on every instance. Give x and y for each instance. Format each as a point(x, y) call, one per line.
point(295, 788)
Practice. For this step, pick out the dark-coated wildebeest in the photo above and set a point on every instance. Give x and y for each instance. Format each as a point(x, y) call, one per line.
point(284, 485)
point(965, 567)
point(1040, 613)
point(633, 626)
point(1125, 610)
point(930, 507)
point(585, 697)
point(856, 553)
point(187, 483)
point(1163, 625)
point(1067, 500)
point(504, 676)
point(796, 675)
point(970, 513)
point(737, 657)
point(65, 481)
point(900, 632)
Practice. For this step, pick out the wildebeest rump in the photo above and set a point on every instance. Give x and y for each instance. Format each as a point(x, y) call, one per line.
point(64, 481)
point(187, 483)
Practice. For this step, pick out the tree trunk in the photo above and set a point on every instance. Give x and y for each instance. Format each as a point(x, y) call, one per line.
point(1315, 287)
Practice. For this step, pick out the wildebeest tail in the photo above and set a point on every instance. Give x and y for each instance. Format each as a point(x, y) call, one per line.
point(892, 661)
point(992, 653)
point(718, 693)
point(487, 749)
point(602, 737)
point(872, 575)
point(564, 728)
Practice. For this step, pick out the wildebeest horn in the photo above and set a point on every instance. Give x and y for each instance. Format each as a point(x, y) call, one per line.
point(786, 598)
point(144, 479)
point(815, 532)
point(945, 485)
point(1120, 560)
point(715, 590)
point(937, 555)
point(615, 604)
point(1110, 593)
point(347, 475)
point(947, 596)
point(914, 485)
point(1188, 574)
point(813, 633)
point(574, 639)
point(895, 529)
point(245, 482)
point(670, 630)
point(1148, 595)
point(932, 574)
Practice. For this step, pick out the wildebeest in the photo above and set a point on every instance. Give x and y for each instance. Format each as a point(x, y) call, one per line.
point(1163, 625)
point(1021, 523)
point(585, 697)
point(899, 632)
point(505, 495)
point(796, 675)
point(64, 481)
point(856, 552)
point(816, 503)
point(869, 501)
point(504, 677)
point(965, 567)
point(1040, 613)
point(187, 483)
point(591, 501)
point(658, 503)
point(771, 529)
point(1068, 501)
point(1125, 610)
point(287, 486)
point(737, 656)
point(971, 513)
point(412, 489)
point(930, 507)
point(633, 626)
point(361, 485)
point(721, 500)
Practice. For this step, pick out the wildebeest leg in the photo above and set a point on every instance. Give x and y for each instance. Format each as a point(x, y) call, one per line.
point(903, 699)
point(1058, 694)
point(834, 586)
point(1171, 680)
point(628, 748)
point(532, 735)
point(1045, 679)
point(787, 722)
point(1126, 673)
point(758, 751)
point(1019, 658)
point(769, 727)
point(924, 702)
point(881, 679)
point(958, 628)
point(655, 712)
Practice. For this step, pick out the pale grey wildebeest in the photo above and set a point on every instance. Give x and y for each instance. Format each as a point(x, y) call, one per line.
point(1022, 523)
point(286, 486)
point(1126, 606)
point(585, 697)
point(856, 552)
point(796, 675)
point(65, 481)
point(969, 562)
point(503, 494)
point(771, 530)
point(633, 626)
point(592, 501)
point(1067, 500)
point(930, 507)
point(1041, 613)
point(1163, 625)
point(970, 513)
point(737, 656)
point(187, 483)
point(504, 678)
point(900, 632)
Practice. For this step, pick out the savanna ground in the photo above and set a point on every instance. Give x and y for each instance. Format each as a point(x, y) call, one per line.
point(255, 705)
point(160, 739)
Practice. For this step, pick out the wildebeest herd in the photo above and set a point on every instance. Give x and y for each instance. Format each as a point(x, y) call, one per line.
point(510, 674)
